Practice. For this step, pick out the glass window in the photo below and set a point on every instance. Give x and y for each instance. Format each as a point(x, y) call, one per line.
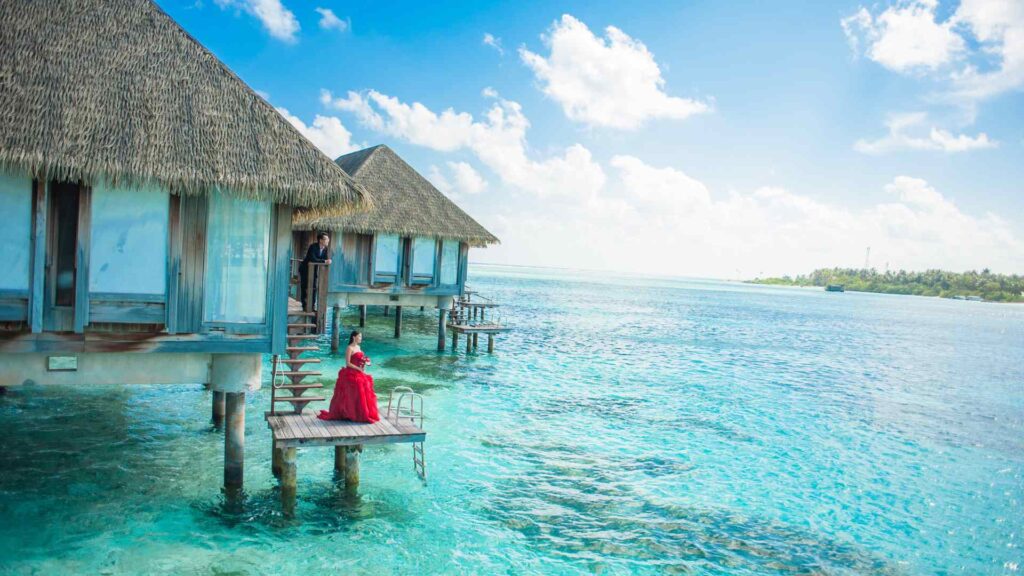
point(63, 221)
point(128, 254)
point(16, 232)
point(450, 262)
point(386, 258)
point(237, 258)
point(423, 250)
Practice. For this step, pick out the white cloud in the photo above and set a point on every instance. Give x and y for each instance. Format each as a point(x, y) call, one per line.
point(908, 132)
point(609, 82)
point(463, 180)
point(978, 52)
point(490, 40)
point(905, 37)
point(330, 21)
point(279, 21)
point(326, 133)
point(667, 192)
point(498, 140)
point(998, 25)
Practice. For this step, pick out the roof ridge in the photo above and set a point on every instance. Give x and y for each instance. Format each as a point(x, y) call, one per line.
point(406, 201)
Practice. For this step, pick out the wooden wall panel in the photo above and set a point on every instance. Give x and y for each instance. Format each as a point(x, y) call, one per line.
point(193, 264)
point(37, 285)
point(82, 252)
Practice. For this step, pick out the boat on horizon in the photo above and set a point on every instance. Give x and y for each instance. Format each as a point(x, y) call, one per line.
point(835, 288)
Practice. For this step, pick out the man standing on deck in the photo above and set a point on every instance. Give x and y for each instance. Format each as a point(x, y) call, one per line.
point(315, 253)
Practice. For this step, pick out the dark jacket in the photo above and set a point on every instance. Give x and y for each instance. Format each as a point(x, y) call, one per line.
point(314, 254)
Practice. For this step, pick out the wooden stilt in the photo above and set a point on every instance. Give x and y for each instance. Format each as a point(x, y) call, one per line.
point(339, 461)
point(441, 327)
point(387, 309)
point(476, 338)
point(422, 308)
point(362, 315)
point(335, 328)
point(455, 340)
point(289, 480)
point(218, 409)
point(276, 459)
point(352, 466)
point(234, 439)
point(398, 321)
point(490, 343)
point(469, 343)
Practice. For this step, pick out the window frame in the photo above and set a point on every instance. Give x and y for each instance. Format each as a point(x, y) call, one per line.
point(421, 278)
point(387, 277)
point(238, 326)
point(148, 296)
point(458, 257)
point(28, 245)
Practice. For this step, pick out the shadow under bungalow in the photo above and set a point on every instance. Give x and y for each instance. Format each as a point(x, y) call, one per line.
point(146, 200)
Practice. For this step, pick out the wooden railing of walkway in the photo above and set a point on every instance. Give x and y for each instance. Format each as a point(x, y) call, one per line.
point(316, 291)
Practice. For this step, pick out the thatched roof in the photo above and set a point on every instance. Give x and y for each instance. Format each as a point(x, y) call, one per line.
point(116, 90)
point(405, 203)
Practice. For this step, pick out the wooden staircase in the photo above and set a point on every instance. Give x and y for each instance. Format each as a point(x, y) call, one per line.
point(289, 373)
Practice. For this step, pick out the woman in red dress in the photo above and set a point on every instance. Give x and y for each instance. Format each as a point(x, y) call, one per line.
point(354, 398)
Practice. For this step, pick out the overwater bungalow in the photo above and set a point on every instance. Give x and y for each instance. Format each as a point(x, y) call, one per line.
point(146, 198)
point(409, 250)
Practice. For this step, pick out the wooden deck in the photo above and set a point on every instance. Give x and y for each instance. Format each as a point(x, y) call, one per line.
point(479, 304)
point(478, 328)
point(294, 431)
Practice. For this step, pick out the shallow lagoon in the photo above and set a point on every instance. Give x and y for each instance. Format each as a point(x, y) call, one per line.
point(627, 426)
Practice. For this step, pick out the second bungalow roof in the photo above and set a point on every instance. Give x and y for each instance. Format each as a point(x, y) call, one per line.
point(404, 202)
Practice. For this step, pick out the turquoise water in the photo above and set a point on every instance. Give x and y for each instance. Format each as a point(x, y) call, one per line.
point(627, 426)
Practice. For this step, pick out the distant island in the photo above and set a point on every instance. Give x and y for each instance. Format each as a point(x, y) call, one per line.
point(967, 285)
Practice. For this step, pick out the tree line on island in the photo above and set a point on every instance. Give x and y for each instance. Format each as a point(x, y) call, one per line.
point(972, 284)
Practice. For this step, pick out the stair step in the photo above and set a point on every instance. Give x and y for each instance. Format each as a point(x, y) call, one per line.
point(301, 348)
point(299, 360)
point(302, 325)
point(299, 399)
point(301, 336)
point(299, 373)
point(301, 313)
point(299, 387)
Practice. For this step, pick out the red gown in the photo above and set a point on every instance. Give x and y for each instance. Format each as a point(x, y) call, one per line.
point(353, 398)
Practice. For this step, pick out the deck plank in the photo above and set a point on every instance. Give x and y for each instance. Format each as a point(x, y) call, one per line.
point(292, 429)
point(304, 425)
point(298, 430)
point(377, 429)
point(279, 428)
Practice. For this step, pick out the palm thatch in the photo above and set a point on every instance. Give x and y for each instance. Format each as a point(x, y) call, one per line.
point(116, 90)
point(405, 203)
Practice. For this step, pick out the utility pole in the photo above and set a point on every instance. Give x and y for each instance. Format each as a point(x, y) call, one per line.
point(867, 259)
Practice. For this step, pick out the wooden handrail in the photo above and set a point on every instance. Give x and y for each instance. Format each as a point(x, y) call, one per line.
point(316, 288)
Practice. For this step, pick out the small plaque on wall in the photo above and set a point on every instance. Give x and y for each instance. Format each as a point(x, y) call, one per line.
point(62, 363)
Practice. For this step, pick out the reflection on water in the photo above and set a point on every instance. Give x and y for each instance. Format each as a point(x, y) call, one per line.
point(625, 426)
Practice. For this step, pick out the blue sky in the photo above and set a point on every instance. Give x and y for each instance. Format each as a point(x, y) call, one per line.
point(698, 138)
